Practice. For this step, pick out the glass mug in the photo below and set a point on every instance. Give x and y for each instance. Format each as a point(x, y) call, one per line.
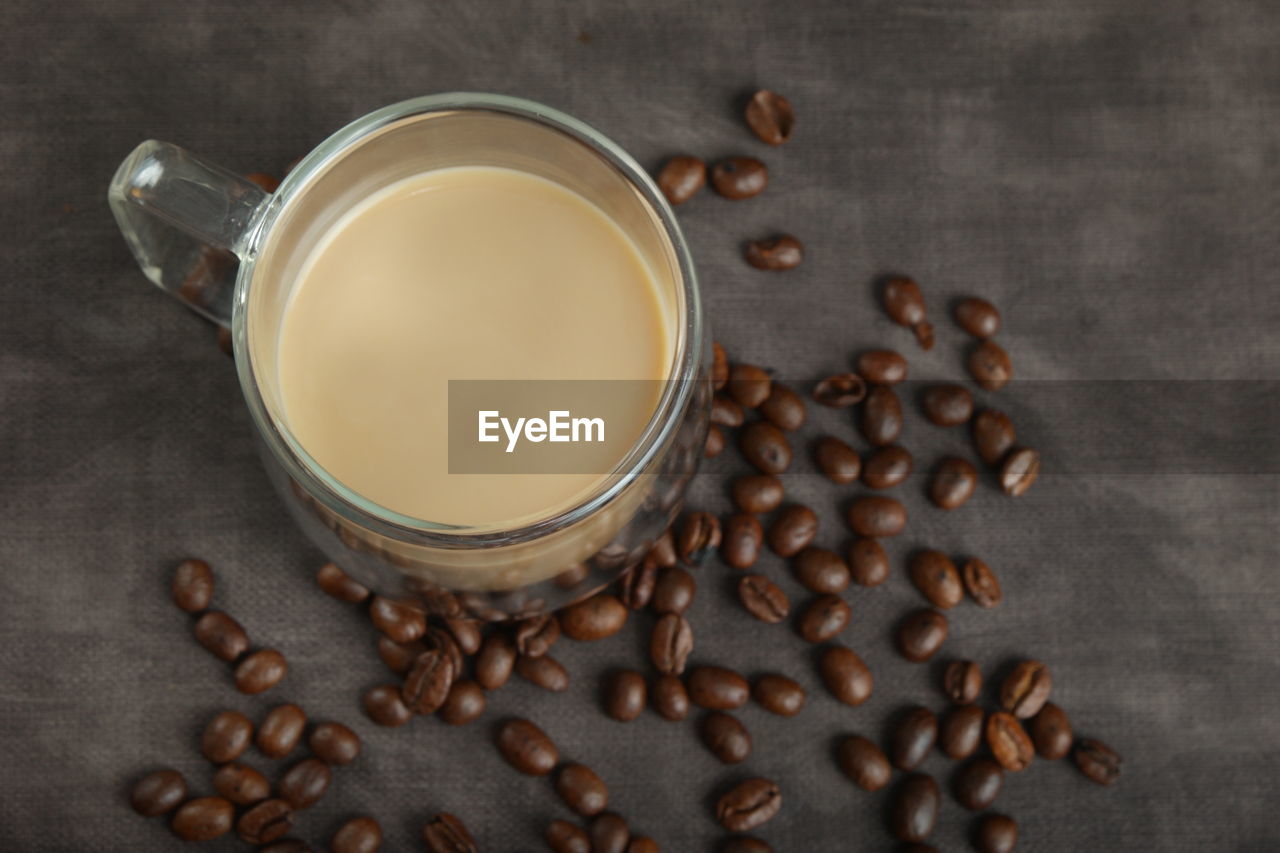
point(232, 252)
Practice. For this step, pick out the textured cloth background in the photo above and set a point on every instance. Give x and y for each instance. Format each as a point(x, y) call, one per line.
point(1107, 173)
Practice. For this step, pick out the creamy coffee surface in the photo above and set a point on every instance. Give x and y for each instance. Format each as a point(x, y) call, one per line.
point(462, 273)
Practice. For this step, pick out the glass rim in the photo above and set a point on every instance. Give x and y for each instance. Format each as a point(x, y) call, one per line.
point(346, 502)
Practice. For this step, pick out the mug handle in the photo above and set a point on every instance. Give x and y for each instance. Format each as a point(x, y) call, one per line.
point(187, 223)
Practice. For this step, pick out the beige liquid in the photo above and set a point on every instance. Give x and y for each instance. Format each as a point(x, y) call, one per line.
point(461, 273)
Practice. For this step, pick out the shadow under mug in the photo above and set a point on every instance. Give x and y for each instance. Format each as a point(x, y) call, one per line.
point(232, 252)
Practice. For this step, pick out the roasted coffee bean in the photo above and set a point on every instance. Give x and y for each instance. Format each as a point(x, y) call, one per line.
point(674, 591)
point(664, 550)
point(990, 366)
point(763, 599)
point(726, 737)
point(643, 844)
point(609, 833)
point(737, 178)
point(598, 617)
point(962, 682)
point(563, 837)
point(784, 408)
point(823, 618)
point(993, 435)
point(304, 783)
point(864, 763)
point(912, 737)
point(960, 731)
point(582, 790)
point(745, 844)
point(977, 316)
point(1019, 471)
point(399, 620)
point(757, 493)
point(914, 811)
point(265, 822)
point(626, 694)
point(717, 688)
point(1026, 689)
point(881, 418)
point(681, 178)
point(637, 584)
point(749, 804)
point(1096, 760)
point(921, 634)
point(334, 743)
point(740, 545)
point(726, 412)
point(397, 656)
point(385, 707)
point(226, 736)
point(1008, 741)
point(466, 700)
point(241, 784)
point(526, 747)
point(765, 447)
point(877, 516)
point(446, 833)
point(495, 661)
point(840, 390)
point(977, 784)
point(782, 252)
point(537, 634)
point(546, 672)
point(715, 443)
point(192, 585)
point(670, 644)
point(466, 634)
point(719, 366)
point(287, 845)
point(427, 684)
point(778, 694)
point(749, 385)
point(159, 792)
point(793, 530)
point(903, 301)
point(358, 835)
point(770, 117)
point(1050, 731)
point(845, 675)
point(882, 367)
point(936, 577)
point(837, 460)
point(221, 635)
point(820, 570)
point(338, 584)
point(981, 583)
point(868, 563)
point(947, 405)
point(995, 833)
point(281, 730)
point(953, 482)
point(203, 819)
point(699, 536)
point(669, 698)
point(887, 466)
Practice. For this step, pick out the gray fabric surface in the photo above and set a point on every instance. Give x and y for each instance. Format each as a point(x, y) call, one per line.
point(1107, 173)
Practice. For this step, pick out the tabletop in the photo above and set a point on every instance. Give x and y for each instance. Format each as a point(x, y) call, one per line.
point(1106, 173)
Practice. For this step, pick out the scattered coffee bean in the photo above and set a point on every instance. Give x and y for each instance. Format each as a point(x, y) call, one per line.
point(719, 366)
point(823, 618)
point(877, 516)
point(385, 707)
point(993, 435)
point(466, 701)
point(717, 688)
point(1026, 689)
point(921, 634)
point(981, 583)
point(936, 577)
point(643, 844)
point(609, 833)
point(535, 636)
point(784, 408)
point(582, 790)
point(304, 783)
point(868, 563)
point(203, 819)
point(466, 634)
point(740, 545)
point(778, 694)
point(334, 743)
point(953, 483)
point(821, 570)
point(765, 447)
point(770, 117)
point(757, 493)
point(864, 763)
point(792, 531)
point(840, 390)
point(763, 599)
point(903, 301)
point(398, 656)
point(1019, 471)
point(358, 835)
point(749, 385)
point(664, 550)
point(1097, 761)
point(699, 536)
point(977, 784)
point(527, 748)
point(960, 731)
point(446, 833)
point(241, 784)
point(887, 466)
point(626, 694)
point(399, 620)
point(1050, 731)
point(726, 412)
point(715, 442)
point(670, 698)
point(674, 591)
point(990, 366)
point(428, 681)
point(882, 367)
point(159, 792)
point(845, 675)
point(748, 805)
point(881, 419)
point(670, 644)
point(1008, 741)
point(287, 845)
point(745, 844)
point(638, 584)
point(962, 682)
point(914, 811)
point(995, 833)
point(947, 405)
point(782, 252)
point(333, 581)
point(226, 736)
point(221, 635)
point(737, 178)
point(281, 730)
point(726, 737)
point(495, 661)
point(912, 737)
point(546, 672)
point(977, 316)
point(837, 460)
point(563, 837)
point(597, 618)
point(192, 585)
point(681, 178)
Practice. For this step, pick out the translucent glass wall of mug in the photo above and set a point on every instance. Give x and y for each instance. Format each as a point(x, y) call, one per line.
point(236, 255)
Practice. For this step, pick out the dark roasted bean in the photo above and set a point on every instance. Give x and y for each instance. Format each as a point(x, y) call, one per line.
point(914, 811)
point(609, 833)
point(962, 682)
point(763, 599)
point(995, 833)
point(626, 694)
point(304, 783)
point(546, 672)
point(466, 701)
point(241, 784)
point(719, 366)
point(334, 743)
point(765, 447)
point(596, 618)
point(670, 644)
point(527, 748)
point(881, 418)
point(739, 177)
point(265, 822)
point(725, 411)
point(977, 316)
point(465, 633)
point(674, 591)
point(1026, 689)
point(877, 516)
point(442, 641)
point(537, 634)
point(912, 737)
point(740, 544)
point(495, 661)
point(717, 688)
point(882, 367)
point(749, 385)
point(936, 577)
point(338, 584)
point(840, 390)
point(845, 675)
point(1008, 741)
point(643, 844)
point(921, 634)
point(715, 443)
point(820, 570)
point(993, 435)
point(903, 301)
point(726, 737)
point(784, 408)
point(1096, 760)
point(582, 790)
point(778, 694)
point(1050, 731)
point(203, 819)
point(947, 405)
point(793, 530)
point(192, 585)
point(159, 792)
point(428, 681)
point(664, 550)
point(398, 657)
point(446, 833)
point(563, 837)
point(1019, 471)
point(358, 835)
point(868, 563)
point(823, 618)
point(221, 635)
point(385, 707)
point(681, 178)
point(953, 482)
point(837, 460)
point(399, 620)
point(226, 736)
point(757, 493)
point(745, 844)
point(748, 805)
point(981, 583)
point(887, 466)
point(699, 536)
point(669, 698)
point(770, 117)
point(287, 845)
point(782, 252)
point(960, 731)
point(990, 366)
point(638, 584)
point(864, 763)
point(977, 784)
